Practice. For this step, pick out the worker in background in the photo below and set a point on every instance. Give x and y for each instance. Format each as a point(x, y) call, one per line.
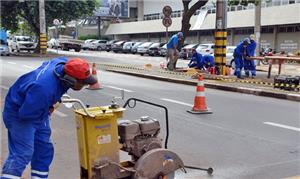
point(172, 51)
point(26, 115)
point(239, 54)
point(196, 60)
point(249, 64)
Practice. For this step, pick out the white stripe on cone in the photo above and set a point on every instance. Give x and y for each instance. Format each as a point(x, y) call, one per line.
point(200, 83)
point(200, 94)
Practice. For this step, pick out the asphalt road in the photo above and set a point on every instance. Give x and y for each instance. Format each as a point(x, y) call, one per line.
point(246, 136)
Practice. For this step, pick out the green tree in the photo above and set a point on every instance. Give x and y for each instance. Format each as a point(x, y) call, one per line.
point(12, 11)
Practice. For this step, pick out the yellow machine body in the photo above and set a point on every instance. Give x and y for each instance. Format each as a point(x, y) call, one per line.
point(97, 136)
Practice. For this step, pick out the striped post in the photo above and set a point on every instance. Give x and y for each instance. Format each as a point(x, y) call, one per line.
point(200, 101)
point(220, 50)
point(43, 44)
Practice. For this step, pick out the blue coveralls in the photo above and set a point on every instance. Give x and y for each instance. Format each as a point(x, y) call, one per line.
point(208, 61)
point(196, 61)
point(173, 42)
point(171, 50)
point(26, 116)
point(249, 65)
point(238, 54)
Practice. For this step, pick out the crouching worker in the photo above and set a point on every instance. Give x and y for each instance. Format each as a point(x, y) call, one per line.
point(196, 60)
point(26, 115)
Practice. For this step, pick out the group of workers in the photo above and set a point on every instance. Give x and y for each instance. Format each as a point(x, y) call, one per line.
point(32, 99)
point(201, 62)
point(242, 56)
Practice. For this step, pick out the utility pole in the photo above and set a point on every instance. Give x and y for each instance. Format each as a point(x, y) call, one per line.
point(221, 36)
point(99, 27)
point(257, 27)
point(43, 37)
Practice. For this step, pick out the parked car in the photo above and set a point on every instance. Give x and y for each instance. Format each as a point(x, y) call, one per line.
point(154, 49)
point(118, 46)
point(53, 43)
point(98, 45)
point(143, 49)
point(186, 51)
point(109, 44)
point(4, 50)
point(127, 47)
point(19, 43)
point(87, 44)
point(229, 55)
point(136, 45)
point(163, 50)
point(205, 49)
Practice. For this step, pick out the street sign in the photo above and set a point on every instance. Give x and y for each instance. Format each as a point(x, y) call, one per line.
point(167, 11)
point(56, 22)
point(167, 21)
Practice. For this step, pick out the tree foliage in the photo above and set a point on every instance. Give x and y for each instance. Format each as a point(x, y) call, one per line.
point(13, 11)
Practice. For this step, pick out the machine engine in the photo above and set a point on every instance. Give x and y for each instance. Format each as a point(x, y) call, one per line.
point(139, 136)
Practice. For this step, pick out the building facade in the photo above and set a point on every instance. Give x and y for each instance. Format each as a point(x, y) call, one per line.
point(280, 21)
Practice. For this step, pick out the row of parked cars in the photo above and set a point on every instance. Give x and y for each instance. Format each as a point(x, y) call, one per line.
point(153, 48)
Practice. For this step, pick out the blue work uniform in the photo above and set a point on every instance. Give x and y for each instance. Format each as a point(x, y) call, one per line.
point(249, 65)
point(173, 42)
point(196, 61)
point(208, 61)
point(26, 116)
point(239, 52)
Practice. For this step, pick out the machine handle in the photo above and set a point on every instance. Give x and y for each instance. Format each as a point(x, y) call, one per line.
point(69, 100)
point(153, 104)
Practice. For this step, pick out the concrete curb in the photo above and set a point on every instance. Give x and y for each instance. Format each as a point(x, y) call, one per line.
point(245, 90)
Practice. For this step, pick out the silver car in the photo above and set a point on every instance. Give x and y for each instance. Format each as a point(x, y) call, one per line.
point(142, 49)
point(4, 50)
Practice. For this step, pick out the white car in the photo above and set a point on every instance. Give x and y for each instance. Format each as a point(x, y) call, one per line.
point(142, 49)
point(205, 49)
point(229, 55)
point(98, 45)
point(19, 43)
point(53, 43)
point(87, 44)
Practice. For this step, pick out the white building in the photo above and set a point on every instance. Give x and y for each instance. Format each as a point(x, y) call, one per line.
point(280, 20)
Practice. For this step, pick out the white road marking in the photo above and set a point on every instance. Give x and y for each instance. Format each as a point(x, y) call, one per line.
point(283, 126)
point(60, 114)
point(178, 102)
point(26, 66)
point(4, 87)
point(13, 63)
point(113, 87)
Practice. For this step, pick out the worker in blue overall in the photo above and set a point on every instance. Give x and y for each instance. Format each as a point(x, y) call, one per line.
point(26, 115)
point(208, 61)
point(239, 54)
point(250, 64)
point(172, 51)
point(196, 60)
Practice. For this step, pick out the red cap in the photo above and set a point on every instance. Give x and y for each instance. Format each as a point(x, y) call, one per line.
point(79, 69)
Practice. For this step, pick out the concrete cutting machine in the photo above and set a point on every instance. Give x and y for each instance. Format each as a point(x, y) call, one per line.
point(102, 134)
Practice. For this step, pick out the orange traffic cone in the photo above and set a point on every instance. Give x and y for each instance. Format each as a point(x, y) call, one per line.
point(200, 101)
point(95, 86)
